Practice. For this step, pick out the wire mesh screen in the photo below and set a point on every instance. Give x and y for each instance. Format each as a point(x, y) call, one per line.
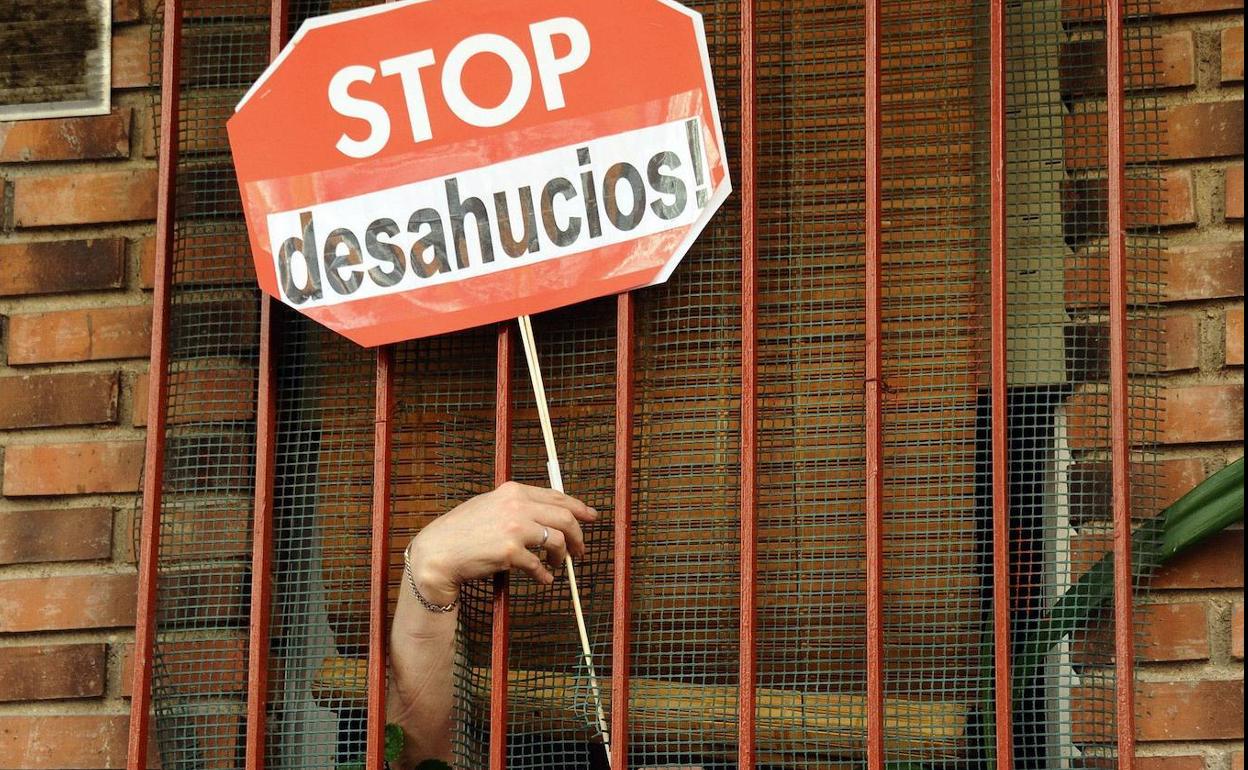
point(322, 524)
point(811, 707)
point(553, 712)
point(200, 654)
point(444, 454)
point(1057, 135)
point(937, 627)
point(811, 656)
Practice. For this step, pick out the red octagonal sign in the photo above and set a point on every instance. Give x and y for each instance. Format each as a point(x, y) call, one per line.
point(426, 166)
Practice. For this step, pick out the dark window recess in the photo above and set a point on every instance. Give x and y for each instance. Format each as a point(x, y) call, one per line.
point(54, 58)
point(1041, 524)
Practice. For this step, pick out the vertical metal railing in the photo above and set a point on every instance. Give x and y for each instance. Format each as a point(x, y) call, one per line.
point(749, 392)
point(621, 615)
point(261, 588)
point(262, 542)
point(1124, 626)
point(262, 505)
point(501, 631)
point(379, 565)
point(1002, 682)
point(874, 395)
point(158, 391)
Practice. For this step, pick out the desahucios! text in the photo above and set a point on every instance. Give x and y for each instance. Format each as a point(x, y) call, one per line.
point(540, 207)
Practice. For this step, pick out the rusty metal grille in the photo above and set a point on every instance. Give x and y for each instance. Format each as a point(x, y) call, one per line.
point(444, 454)
point(200, 650)
point(322, 498)
point(825, 688)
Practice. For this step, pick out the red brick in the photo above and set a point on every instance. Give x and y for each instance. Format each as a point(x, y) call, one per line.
point(1237, 631)
point(222, 395)
point(1184, 762)
point(66, 603)
point(1169, 62)
point(230, 261)
point(72, 469)
point(1094, 10)
point(60, 742)
point(132, 51)
point(1085, 204)
point(139, 395)
point(1088, 416)
point(1174, 632)
point(1176, 60)
point(145, 128)
point(1235, 336)
point(75, 534)
point(1233, 54)
point(1182, 337)
point(59, 671)
point(45, 400)
point(1234, 203)
point(1204, 130)
point(1237, 760)
point(1190, 711)
point(60, 267)
point(235, 8)
point(96, 334)
point(1176, 477)
point(83, 138)
point(1206, 271)
point(1196, 272)
point(184, 663)
point(146, 251)
point(1178, 196)
point(127, 521)
point(1180, 334)
point(126, 10)
point(85, 197)
point(1216, 563)
point(1169, 480)
point(1203, 413)
point(1190, 131)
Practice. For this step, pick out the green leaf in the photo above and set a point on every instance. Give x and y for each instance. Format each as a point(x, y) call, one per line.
point(1215, 503)
point(396, 740)
point(1212, 506)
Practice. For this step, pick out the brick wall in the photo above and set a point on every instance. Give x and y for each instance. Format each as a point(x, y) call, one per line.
point(75, 237)
point(78, 199)
point(1191, 714)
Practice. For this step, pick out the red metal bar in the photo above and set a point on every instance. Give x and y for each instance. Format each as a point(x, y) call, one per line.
point(622, 612)
point(501, 632)
point(874, 404)
point(1000, 396)
point(749, 390)
point(379, 570)
point(262, 543)
point(158, 393)
point(262, 504)
point(1124, 625)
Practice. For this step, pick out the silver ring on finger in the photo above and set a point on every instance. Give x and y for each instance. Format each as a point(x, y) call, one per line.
point(545, 537)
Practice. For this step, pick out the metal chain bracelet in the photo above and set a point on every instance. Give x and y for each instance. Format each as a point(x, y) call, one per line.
point(411, 581)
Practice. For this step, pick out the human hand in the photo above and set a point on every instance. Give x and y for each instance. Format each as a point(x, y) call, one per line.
point(492, 533)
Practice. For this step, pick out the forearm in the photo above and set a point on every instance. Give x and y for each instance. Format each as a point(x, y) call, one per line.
point(491, 533)
point(422, 674)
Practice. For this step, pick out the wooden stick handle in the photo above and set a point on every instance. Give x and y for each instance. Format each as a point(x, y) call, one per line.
point(556, 482)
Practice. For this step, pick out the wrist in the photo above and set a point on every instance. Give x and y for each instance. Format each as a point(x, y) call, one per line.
point(432, 578)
